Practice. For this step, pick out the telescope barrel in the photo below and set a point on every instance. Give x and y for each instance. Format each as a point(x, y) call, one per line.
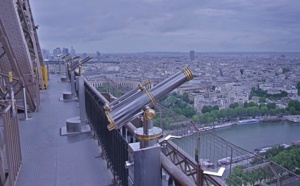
point(80, 62)
point(72, 58)
point(86, 59)
point(122, 114)
point(75, 63)
point(65, 56)
point(129, 94)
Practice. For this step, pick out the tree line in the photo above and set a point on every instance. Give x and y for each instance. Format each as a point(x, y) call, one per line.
point(235, 111)
point(288, 158)
point(264, 94)
point(180, 108)
point(183, 106)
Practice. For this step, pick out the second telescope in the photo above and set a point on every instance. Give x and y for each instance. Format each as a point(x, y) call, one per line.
point(130, 107)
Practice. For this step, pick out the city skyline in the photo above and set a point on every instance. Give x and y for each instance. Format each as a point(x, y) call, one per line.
point(157, 25)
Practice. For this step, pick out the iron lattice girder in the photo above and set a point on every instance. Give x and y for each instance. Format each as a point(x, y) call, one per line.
point(187, 165)
point(184, 163)
point(17, 58)
point(277, 171)
point(30, 34)
point(256, 167)
point(1, 55)
point(10, 61)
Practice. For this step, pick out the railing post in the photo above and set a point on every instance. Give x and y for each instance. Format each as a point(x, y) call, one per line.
point(59, 66)
point(67, 72)
point(72, 83)
point(144, 157)
point(81, 98)
point(25, 103)
point(200, 176)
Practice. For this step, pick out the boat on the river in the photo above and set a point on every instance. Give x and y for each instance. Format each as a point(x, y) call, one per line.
point(248, 121)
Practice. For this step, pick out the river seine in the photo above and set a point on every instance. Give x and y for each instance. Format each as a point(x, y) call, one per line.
point(264, 134)
point(248, 137)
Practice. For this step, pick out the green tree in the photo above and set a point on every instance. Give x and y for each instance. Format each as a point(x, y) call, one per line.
point(239, 111)
point(289, 159)
point(233, 105)
point(223, 113)
point(205, 117)
point(256, 110)
point(258, 92)
point(215, 114)
point(210, 119)
point(185, 97)
point(206, 108)
point(189, 112)
point(250, 104)
point(271, 106)
point(292, 110)
point(196, 118)
point(295, 104)
point(262, 99)
point(273, 112)
point(235, 178)
point(170, 101)
point(180, 104)
point(264, 110)
point(230, 112)
point(216, 107)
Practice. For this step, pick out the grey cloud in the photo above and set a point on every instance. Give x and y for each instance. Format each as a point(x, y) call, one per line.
point(167, 25)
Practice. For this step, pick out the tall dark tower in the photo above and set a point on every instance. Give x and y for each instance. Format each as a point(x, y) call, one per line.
point(192, 55)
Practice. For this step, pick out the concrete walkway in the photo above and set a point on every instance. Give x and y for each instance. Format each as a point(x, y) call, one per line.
point(54, 160)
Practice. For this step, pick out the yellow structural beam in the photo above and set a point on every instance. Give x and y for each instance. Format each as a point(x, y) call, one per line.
point(45, 77)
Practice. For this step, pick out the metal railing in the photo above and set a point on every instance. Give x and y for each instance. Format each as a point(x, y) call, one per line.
point(12, 146)
point(113, 144)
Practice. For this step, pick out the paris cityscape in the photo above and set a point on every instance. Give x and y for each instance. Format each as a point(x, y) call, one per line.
point(150, 93)
point(227, 89)
point(220, 78)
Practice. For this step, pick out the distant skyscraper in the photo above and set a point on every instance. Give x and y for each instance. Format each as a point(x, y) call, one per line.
point(65, 51)
point(56, 51)
point(192, 55)
point(72, 51)
point(98, 55)
point(45, 53)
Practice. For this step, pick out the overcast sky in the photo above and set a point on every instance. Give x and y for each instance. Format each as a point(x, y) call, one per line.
point(114, 26)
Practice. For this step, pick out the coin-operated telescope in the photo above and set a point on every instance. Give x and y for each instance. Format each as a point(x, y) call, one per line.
point(79, 64)
point(65, 56)
point(71, 59)
point(143, 163)
point(123, 110)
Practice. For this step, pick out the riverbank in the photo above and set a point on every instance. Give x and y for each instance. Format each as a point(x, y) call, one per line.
point(252, 136)
point(189, 130)
point(291, 118)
